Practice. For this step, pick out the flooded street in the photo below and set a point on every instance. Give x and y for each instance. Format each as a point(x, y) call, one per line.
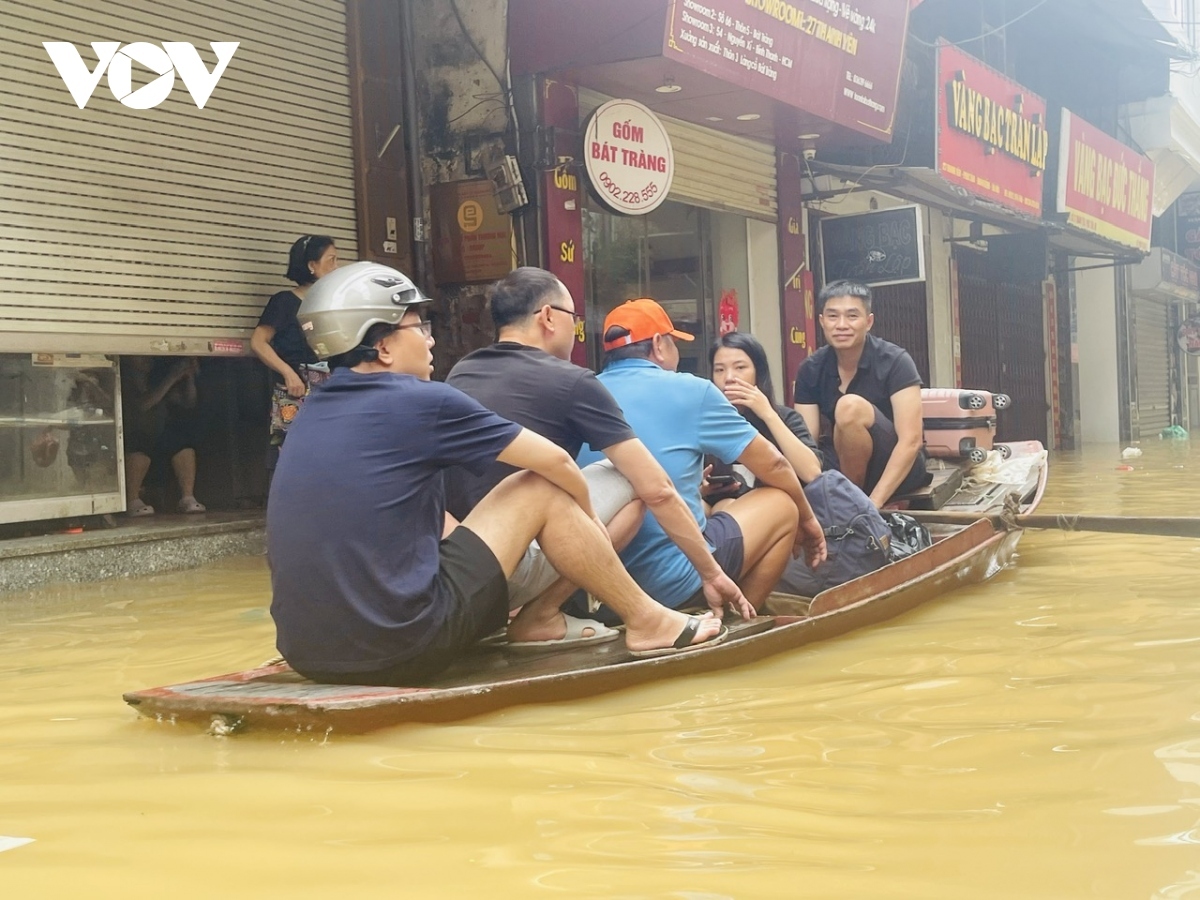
point(1037, 736)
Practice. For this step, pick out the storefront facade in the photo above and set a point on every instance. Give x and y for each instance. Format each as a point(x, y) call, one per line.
point(1034, 218)
point(734, 89)
point(961, 280)
point(691, 253)
point(151, 189)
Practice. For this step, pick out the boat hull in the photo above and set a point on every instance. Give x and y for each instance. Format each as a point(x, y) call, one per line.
point(273, 697)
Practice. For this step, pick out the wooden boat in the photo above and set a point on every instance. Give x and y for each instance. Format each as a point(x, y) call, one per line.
point(275, 697)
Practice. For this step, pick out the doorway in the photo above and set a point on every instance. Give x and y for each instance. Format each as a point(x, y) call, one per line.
point(1001, 334)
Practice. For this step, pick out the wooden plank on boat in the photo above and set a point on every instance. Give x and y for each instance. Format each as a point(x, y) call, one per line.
point(947, 481)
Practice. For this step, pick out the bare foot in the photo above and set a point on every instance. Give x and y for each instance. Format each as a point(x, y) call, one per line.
point(662, 628)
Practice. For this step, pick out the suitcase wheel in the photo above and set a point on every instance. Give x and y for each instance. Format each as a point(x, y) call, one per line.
point(1005, 450)
point(972, 400)
point(977, 455)
point(1001, 401)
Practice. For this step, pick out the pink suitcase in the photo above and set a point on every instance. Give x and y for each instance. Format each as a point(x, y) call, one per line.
point(961, 424)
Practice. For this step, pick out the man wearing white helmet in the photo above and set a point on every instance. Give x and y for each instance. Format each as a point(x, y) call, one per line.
point(363, 589)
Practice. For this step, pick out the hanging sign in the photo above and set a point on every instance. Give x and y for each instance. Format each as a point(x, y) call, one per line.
point(838, 60)
point(1187, 218)
point(991, 135)
point(1188, 336)
point(472, 239)
point(1103, 186)
point(882, 247)
point(628, 156)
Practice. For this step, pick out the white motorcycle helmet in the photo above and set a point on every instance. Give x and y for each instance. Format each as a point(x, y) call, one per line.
point(339, 308)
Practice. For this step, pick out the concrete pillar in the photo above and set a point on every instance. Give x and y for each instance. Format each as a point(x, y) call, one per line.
point(938, 299)
point(1099, 390)
point(762, 243)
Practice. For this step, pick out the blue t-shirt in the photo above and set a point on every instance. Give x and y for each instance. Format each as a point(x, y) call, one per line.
point(355, 516)
point(680, 418)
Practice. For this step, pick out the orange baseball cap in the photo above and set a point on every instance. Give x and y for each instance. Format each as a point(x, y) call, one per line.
point(643, 319)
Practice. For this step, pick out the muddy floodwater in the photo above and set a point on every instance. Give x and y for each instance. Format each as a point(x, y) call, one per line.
point(1035, 737)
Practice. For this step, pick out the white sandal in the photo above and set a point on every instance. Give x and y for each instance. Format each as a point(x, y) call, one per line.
point(191, 505)
point(138, 508)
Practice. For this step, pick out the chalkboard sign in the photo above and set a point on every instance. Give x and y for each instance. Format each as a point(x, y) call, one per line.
point(882, 247)
point(1187, 219)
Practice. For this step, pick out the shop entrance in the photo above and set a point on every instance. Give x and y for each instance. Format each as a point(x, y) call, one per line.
point(685, 257)
point(1002, 345)
point(1155, 365)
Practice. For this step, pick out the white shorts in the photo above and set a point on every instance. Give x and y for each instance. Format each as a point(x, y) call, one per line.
point(610, 491)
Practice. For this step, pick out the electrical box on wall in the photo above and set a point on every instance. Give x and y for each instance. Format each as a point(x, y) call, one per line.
point(505, 176)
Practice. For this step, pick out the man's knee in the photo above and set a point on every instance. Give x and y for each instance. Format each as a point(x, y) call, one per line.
point(852, 409)
point(524, 484)
point(766, 510)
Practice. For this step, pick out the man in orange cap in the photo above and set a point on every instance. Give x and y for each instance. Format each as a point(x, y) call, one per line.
point(527, 378)
point(681, 418)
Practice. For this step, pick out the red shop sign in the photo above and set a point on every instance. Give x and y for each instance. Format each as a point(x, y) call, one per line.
point(1188, 336)
point(1103, 186)
point(840, 61)
point(991, 137)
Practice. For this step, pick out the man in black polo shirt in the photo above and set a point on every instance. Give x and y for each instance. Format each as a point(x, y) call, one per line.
point(870, 390)
point(527, 378)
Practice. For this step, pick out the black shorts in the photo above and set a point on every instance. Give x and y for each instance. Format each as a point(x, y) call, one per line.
point(471, 580)
point(883, 442)
point(729, 550)
point(143, 442)
point(180, 433)
point(725, 535)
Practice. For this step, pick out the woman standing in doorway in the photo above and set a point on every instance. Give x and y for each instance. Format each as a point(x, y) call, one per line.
point(280, 344)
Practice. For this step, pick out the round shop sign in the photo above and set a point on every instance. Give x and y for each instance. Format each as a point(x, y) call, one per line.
point(628, 157)
point(1189, 336)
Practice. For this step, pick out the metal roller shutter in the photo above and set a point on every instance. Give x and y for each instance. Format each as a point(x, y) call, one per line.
point(160, 230)
point(714, 169)
point(1153, 367)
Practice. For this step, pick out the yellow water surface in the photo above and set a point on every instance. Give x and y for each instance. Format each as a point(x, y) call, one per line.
point(1035, 737)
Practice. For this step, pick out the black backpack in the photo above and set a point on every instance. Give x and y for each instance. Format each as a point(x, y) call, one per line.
point(856, 536)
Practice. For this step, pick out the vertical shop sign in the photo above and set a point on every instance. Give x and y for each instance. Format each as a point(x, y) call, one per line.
point(991, 136)
point(563, 204)
point(838, 60)
point(1050, 299)
point(799, 328)
point(955, 326)
point(798, 322)
point(1103, 186)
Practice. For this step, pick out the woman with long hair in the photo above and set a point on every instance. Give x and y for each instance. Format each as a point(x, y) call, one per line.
point(280, 344)
point(739, 368)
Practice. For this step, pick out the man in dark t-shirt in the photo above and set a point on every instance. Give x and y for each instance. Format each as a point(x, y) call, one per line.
point(527, 377)
point(870, 390)
point(364, 591)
